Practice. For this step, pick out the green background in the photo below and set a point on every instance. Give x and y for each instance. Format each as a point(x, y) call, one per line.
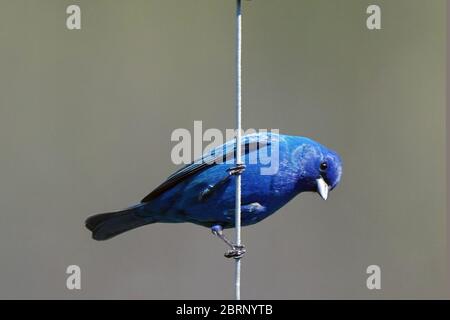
point(85, 124)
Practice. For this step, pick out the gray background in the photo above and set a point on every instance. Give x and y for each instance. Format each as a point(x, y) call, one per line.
point(85, 124)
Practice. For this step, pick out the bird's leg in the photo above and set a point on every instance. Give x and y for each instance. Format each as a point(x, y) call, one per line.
point(238, 169)
point(208, 191)
point(236, 251)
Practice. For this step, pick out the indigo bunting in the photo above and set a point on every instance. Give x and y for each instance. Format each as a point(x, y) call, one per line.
point(203, 192)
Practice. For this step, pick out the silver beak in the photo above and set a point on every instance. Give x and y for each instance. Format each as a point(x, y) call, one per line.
point(322, 188)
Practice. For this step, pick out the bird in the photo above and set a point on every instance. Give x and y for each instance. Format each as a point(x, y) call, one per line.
point(203, 192)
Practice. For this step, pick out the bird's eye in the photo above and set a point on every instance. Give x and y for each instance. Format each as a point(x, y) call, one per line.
point(323, 166)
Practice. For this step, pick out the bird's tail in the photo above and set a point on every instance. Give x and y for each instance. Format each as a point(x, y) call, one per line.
point(104, 226)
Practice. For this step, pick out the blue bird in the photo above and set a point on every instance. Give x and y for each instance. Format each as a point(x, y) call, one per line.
point(203, 192)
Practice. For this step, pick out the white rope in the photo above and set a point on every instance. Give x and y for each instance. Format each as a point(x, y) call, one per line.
point(238, 143)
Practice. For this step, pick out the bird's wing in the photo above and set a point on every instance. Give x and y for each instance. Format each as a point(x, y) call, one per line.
point(221, 154)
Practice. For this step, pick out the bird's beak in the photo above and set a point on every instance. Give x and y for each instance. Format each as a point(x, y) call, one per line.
point(322, 188)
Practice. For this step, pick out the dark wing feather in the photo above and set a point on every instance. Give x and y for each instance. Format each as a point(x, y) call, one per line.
point(220, 154)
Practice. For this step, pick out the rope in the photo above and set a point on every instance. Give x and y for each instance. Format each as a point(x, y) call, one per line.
point(238, 143)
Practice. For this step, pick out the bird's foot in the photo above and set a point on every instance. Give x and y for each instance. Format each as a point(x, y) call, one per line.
point(236, 252)
point(238, 169)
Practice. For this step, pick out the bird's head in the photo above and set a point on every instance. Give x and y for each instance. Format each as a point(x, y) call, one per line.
point(320, 168)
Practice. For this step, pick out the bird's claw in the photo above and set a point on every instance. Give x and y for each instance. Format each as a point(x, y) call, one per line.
point(237, 252)
point(238, 169)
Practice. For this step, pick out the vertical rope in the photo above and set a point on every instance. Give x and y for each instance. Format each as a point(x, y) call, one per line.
point(238, 142)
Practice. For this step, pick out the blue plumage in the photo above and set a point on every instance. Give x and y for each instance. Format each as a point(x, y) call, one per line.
point(204, 192)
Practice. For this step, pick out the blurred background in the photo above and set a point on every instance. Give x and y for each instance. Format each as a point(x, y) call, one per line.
point(85, 124)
